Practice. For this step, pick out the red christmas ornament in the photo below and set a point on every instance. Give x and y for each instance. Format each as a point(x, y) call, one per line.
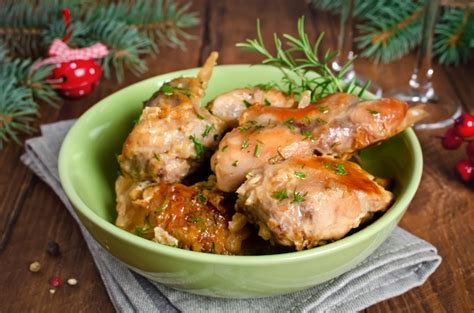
point(75, 73)
point(76, 78)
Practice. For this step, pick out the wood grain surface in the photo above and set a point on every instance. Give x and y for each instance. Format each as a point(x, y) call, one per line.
point(442, 211)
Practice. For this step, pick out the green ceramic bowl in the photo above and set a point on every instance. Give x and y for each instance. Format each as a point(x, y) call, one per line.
point(88, 168)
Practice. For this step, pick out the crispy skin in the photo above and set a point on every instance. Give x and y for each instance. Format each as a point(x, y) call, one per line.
point(190, 217)
point(166, 143)
point(228, 106)
point(332, 197)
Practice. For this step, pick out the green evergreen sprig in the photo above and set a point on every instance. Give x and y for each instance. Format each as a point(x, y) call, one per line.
point(389, 30)
point(299, 60)
point(130, 29)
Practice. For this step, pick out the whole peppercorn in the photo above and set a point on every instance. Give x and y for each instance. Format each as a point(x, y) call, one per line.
point(55, 281)
point(53, 248)
point(35, 267)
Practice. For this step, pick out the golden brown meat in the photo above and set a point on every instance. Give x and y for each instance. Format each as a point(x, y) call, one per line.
point(228, 106)
point(337, 125)
point(196, 217)
point(173, 134)
point(305, 202)
point(251, 146)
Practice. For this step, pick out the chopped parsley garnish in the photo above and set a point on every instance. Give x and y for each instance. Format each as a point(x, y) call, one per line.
point(198, 147)
point(160, 209)
point(290, 123)
point(300, 175)
point(224, 148)
point(141, 231)
point(307, 134)
point(208, 130)
point(247, 104)
point(298, 197)
point(267, 102)
point(157, 157)
point(339, 169)
point(216, 137)
point(320, 121)
point(200, 197)
point(200, 116)
point(323, 109)
point(195, 219)
point(245, 144)
point(235, 163)
point(258, 150)
point(280, 195)
point(169, 90)
point(373, 112)
point(307, 120)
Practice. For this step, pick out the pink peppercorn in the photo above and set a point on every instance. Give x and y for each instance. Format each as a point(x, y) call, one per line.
point(55, 281)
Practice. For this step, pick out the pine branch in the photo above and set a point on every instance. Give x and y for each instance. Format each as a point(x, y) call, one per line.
point(130, 29)
point(391, 32)
point(453, 36)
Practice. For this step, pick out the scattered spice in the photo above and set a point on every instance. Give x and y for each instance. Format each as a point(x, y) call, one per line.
point(52, 291)
point(196, 219)
point(280, 195)
point(53, 248)
point(72, 282)
point(35, 267)
point(200, 116)
point(55, 281)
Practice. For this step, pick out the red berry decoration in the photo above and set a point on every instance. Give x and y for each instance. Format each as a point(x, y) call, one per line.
point(451, 139)
point(470, 151)
point(55, 281)
point(463, 131)
point(465, 170)
point(465, 125)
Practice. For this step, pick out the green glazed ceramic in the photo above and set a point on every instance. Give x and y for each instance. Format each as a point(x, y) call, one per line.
point(88, 168)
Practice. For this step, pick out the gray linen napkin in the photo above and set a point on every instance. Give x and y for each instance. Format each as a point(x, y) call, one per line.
point(400, 264)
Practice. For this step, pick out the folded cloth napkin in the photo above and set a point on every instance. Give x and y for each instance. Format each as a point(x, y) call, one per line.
point(400, 264)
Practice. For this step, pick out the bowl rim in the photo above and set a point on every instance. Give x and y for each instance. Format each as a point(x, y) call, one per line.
point(82, 209)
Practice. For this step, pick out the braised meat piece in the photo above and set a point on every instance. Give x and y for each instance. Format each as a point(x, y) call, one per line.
point(305, 202)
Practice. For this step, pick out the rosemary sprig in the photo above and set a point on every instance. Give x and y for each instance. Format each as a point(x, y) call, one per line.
point(302, 67)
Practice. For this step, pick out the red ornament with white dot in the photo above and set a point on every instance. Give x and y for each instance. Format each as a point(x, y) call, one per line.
point(76, 78)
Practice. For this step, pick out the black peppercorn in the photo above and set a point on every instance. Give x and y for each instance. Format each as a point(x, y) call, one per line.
point(53, 248)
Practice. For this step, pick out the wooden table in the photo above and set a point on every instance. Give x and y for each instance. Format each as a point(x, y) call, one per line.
point(31, 215)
